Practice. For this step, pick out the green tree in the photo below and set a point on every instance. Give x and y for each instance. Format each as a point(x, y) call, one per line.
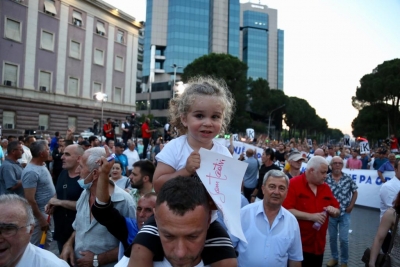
point(381, 90)
point(371, 122)
point(233, 72)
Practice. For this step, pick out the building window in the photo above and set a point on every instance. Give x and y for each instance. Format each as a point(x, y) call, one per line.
point(44, 81)
point(119, 63)
point(75, 50)
point(10, 75)
point(13, 30)
point(120, 37)
point(71, 122)
point(73, 86)
point(8, 119)
point(47, 41)
point(117, 95)
point(77, 18)
point(97, 87)
point(100, 29)
point(99, 57)
point(43, 122)
point(49, 7)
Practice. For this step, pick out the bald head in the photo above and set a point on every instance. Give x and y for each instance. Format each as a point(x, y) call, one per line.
point(319, 152)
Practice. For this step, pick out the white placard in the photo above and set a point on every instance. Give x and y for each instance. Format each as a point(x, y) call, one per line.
point(235, 137)
point(222, 176)
point(346, 141)
point(364, 148)
point(250, 133)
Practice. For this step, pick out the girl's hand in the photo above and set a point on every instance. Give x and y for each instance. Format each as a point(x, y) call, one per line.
point(193, 163)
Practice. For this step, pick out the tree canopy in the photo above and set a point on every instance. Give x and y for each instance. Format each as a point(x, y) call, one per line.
point(255, 100)
point(380, 92)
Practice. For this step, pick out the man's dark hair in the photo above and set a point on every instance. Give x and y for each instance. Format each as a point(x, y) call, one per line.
point(21, 138)
point(146, 168)
point(182, 194)
point(68, 142)
point(270, 152)
point(57, 134)
point(12, 146)
point(92, 138)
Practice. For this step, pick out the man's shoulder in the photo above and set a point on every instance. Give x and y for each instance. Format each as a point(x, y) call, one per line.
point(121, 195)
point(40, 256)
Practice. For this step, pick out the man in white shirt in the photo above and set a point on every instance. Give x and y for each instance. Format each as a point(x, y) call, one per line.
point(16, 227)
point(27, 155)
point(272, 232)
point(388, 193)
point(132, 155)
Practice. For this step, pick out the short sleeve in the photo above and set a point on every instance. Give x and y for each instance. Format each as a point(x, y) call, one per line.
point(10, 181)
point(167, 155)
point(30, 179)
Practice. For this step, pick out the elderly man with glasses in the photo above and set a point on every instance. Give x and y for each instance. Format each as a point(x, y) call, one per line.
point(345, 191)
point(16, 228)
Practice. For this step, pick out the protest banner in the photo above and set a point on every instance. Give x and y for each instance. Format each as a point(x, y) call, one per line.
point(368, 182)
point(240, 147)
point(364, 147)
point(222, 176)
point(235, 137)
point(346, 141)
point(250, 133)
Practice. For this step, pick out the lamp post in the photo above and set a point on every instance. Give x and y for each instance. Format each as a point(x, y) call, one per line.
point(173, 86)
point(269, 120)
point(100, 96)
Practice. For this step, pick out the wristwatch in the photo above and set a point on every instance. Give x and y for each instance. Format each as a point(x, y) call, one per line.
point(95, 261)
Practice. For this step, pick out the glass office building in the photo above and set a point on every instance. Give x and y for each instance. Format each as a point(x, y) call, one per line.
point(255, 44)
point(280, 58)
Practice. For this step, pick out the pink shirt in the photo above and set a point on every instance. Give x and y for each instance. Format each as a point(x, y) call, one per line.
point(354, 163)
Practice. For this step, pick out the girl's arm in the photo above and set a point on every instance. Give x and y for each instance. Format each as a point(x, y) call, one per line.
point(165, 172)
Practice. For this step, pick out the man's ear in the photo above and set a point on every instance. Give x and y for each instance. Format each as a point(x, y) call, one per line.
point(146, 177)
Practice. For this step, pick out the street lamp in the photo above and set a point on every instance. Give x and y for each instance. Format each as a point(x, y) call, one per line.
point(269, 121)
point(100, 96)
point(175, 67)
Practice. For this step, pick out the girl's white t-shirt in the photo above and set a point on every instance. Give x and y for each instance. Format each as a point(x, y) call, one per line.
point(177, 151)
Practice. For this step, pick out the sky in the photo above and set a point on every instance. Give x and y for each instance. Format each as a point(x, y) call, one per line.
point(329, 46)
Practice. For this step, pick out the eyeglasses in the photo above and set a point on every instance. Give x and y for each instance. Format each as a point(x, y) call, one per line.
point(8, 230)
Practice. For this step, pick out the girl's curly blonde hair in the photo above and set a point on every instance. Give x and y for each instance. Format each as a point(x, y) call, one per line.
point(201, 86)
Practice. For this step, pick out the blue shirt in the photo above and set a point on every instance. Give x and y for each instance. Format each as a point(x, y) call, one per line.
point(268, 246)
point(250, 176)
point(386, 167)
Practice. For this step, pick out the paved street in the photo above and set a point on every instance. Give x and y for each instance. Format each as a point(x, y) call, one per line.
point(364, 223)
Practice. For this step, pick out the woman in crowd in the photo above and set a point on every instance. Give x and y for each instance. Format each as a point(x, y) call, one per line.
point(117, 177)
point(387, 223)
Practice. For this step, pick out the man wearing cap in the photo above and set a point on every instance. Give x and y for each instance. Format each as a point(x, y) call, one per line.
point(345, 191)
point(119, 150)
point(295, 160)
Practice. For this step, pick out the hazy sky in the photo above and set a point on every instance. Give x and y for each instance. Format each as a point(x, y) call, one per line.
point(329, 46)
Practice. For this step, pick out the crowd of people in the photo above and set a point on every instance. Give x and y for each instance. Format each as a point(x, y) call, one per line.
point(113, 204)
